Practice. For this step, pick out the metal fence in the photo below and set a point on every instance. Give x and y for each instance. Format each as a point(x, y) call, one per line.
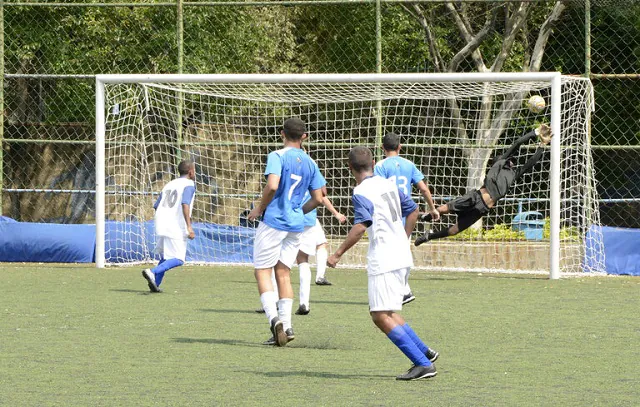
point(50, 52)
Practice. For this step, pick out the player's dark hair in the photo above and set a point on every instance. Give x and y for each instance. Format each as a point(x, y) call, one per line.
point(184, 167)
point(294, 128)
point(391, 142)
point(361, 159)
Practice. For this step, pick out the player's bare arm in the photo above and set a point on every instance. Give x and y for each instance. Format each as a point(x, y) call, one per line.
point(327, 204)
point(355, 234)
point(410, 222)
point(268, 193)
point(186, 212)
point(431, 207)
point(316, 199)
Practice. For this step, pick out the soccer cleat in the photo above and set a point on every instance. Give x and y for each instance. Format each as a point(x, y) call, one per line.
point(271, 341)
point(426, 217)
point(422, 239)
point(432, 355)
point(302, 310)
point(260, 310)
point(408, 298)
point(418, 372)
point(151, 280)
point(277, 329)
point(290, 334)
point(322, 281)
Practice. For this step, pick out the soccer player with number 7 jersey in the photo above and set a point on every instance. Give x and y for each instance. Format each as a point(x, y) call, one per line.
point(290, 173)
point(405, 174)
point(173, 224)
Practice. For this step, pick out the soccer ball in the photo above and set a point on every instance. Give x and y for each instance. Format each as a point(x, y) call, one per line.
point(536, 104)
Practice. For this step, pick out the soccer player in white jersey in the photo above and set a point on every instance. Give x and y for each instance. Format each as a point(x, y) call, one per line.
point(290, 173)
point(173, 224)
point(405, 174)
point(313, 241)
point(379, 207)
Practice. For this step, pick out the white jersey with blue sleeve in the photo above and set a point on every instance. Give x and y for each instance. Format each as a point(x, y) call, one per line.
point(380, 205)
point(298, 174)
point(169, 220)
point(401, 171)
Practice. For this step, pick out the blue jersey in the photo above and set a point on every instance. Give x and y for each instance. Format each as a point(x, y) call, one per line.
point(310, 218)
point(298, 174)
point(401, 171)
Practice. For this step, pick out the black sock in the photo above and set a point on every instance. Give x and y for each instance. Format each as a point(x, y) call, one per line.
point(439, 234)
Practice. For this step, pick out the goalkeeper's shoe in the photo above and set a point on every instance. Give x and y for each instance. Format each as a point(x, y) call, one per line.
point(408, 298)
point(426, 217)
point(421, 239)
point(432, 355)
point(151, 280)
point(418, 372)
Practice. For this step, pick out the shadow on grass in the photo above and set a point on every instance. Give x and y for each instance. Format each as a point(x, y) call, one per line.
point(340, 302)
point(238, 342)
point(228, 311)
point(128, 290)
point(212, 341)
point(321, 375)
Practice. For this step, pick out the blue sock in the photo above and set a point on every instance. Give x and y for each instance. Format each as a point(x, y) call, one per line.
point(404, 342)
point(415, 338)
point(165, 265)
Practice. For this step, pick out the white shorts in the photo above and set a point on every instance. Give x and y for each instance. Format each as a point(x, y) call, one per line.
point(312, 237)
point(272, 245)
point(169, 248)
point(386, 290)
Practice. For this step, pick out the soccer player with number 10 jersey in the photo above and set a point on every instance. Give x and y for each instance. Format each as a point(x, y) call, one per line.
point(173, 224)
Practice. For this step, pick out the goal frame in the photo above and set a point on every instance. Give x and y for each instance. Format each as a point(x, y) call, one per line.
point(553, 78)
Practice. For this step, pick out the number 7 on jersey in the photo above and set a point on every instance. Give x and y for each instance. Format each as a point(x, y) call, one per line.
point(297, 179)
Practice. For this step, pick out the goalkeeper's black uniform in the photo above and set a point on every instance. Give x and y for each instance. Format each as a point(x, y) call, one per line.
point(499, 179)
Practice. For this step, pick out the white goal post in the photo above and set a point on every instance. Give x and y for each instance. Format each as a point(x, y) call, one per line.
point(450, 125)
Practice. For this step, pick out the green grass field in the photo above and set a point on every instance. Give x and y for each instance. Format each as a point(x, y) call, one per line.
point(74, 336)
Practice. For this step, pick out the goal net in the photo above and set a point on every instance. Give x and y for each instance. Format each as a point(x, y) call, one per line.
point(450, 126)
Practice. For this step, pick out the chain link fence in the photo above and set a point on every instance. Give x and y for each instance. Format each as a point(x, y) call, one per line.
point(52, 50)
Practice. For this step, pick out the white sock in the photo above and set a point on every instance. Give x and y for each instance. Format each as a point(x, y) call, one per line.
point(268, 300)
point(285, 306)
point(321, 260)
point(407, 289)
point(305, 283)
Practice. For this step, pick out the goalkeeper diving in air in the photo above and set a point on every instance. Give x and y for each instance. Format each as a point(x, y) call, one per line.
point(499, 179)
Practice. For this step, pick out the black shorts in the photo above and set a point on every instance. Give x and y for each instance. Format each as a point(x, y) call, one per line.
point(470, 205)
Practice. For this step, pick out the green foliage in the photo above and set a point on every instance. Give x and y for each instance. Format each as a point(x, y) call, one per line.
point(499, 232)
point(503, 231)
point(567, 233)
